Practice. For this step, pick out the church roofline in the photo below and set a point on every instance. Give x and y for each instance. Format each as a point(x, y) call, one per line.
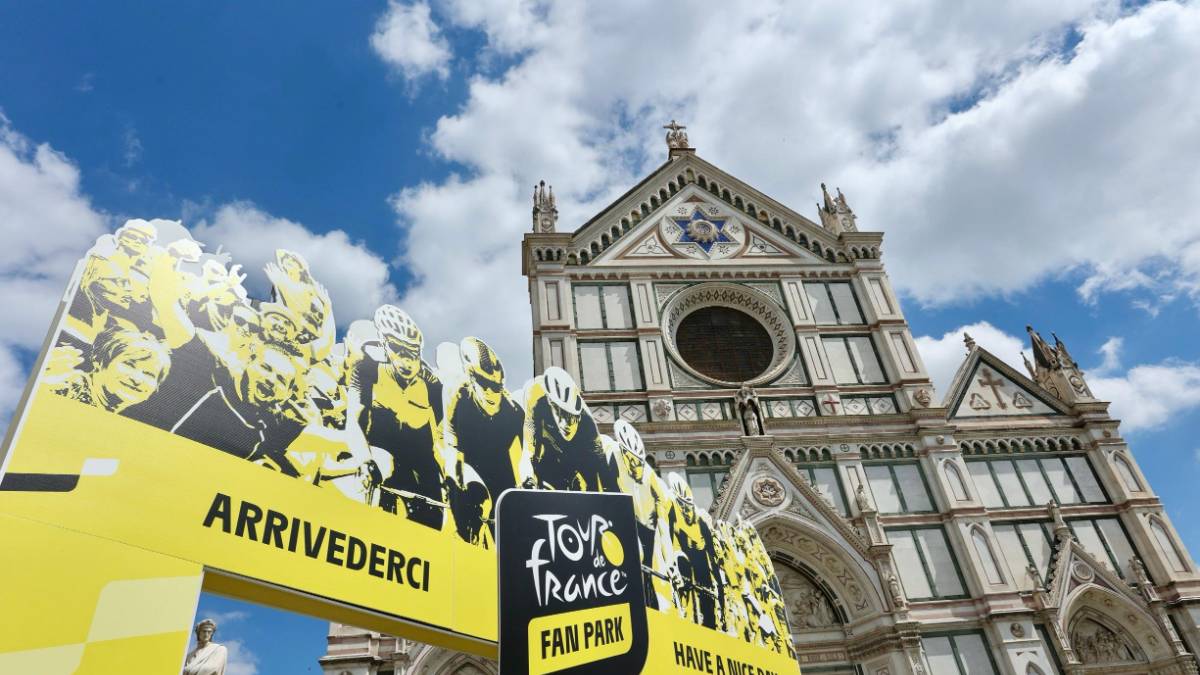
point(692, 160)
point(628, 193)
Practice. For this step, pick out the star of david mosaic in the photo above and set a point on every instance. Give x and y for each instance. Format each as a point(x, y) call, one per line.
point(704, 231)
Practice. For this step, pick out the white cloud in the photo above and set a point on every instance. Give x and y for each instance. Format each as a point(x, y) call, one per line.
point(242, 661)
point(408, 39)
point(1149, 396)
point(1044, 174)
point(12, 383)
point(1146, 396)
point(225, 618)
point(46, 223)
point(944, 355)
point(356, 278)
point(1110, 351)
point(1072, 165)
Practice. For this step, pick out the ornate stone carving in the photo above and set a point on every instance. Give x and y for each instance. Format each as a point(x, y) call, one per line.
point(1017, 629)
point(807, 605)
point(545, 208)
point(1061, 530)
point(862, 500)
point(662, 409)
point(1082, 572)
point(767, 491)
point(968, 342)
point(795, 375)
point(649, 248)
point(796, 506)
point(1138, 570)
point(742, 298)
point(898, 599)
point(825, 561)
point(676, 136)
point(923, 397)
point(749, 411)
point(702, 232)
point(664, 291)
point(1097, 644)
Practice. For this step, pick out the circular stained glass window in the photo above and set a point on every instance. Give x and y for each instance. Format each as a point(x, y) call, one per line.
point(724, 344)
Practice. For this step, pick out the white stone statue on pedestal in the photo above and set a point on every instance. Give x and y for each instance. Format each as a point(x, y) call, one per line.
point(208, 658)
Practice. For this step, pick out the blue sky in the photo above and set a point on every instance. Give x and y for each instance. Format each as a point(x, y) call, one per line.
point(1027, 163)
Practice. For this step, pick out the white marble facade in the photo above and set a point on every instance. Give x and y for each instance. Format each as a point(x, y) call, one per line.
point(1002, 526)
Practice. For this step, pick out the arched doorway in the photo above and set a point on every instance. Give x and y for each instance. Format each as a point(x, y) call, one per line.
point(816, 617)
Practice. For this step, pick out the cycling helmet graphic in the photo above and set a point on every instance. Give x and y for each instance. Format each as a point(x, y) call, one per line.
point(629, 439)
point(681, 489)
point(562, 391)
point(395, 324)
point(481, 362)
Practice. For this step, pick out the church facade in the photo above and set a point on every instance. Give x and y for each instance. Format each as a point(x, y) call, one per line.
point(1000, 527)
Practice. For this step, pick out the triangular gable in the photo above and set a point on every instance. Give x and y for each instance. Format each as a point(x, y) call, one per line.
point(1073, 567)
point(692, 227)
point(801, 498)
point(646, 201)
point(985, 386)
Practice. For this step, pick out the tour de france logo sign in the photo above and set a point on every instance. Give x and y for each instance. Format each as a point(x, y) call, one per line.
point(571, 593)
point(317, 464)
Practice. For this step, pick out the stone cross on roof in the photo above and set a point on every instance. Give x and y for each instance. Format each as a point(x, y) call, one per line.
point(677, 138)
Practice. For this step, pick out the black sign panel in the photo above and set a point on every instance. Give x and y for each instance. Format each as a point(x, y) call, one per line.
point(571, 593)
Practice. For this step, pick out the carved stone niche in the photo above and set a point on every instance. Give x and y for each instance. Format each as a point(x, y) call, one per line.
point(768, 491)
point(808, 607)
point(1097, 644)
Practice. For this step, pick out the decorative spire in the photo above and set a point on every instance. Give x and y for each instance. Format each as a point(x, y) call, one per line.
point(840, 203)
point(1056, 371)
point(1064, 356)
point(968, 341)
point(829, 207)
point(1043, 355)
point(836, 214)
point(1061, 529)
point(1029, 366)
point(677, 139)
point(545, 208)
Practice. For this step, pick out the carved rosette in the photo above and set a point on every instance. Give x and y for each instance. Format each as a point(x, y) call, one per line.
point(767, 491)
point(662, 409)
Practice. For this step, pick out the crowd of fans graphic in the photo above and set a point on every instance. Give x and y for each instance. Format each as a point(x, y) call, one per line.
point(161, 332)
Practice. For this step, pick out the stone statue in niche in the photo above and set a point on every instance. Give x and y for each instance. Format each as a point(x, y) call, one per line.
point(896, 592)
point(1139, 571)
point(808, 607)
point(208, 658)
point(750, 412)
point(862, 500)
